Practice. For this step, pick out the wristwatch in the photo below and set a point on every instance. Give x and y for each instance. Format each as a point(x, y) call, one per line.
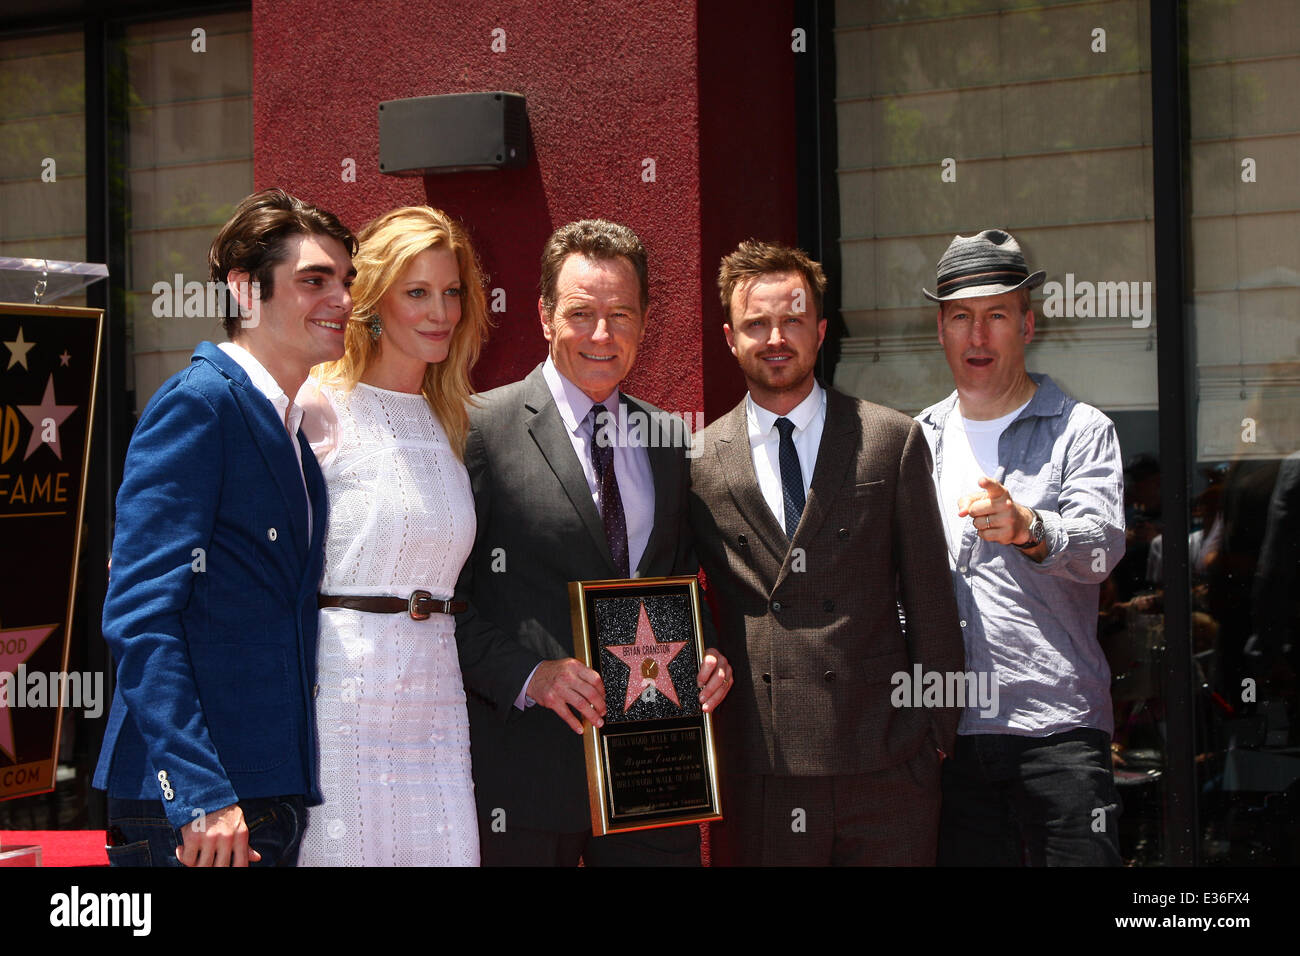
point(1037, 532)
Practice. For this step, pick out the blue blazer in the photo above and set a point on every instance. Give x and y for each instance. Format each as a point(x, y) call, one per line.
point(211, 608)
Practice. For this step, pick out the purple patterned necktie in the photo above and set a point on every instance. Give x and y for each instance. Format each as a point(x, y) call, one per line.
point(611, 503)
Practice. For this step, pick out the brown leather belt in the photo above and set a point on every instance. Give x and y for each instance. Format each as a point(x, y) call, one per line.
point(419, 605)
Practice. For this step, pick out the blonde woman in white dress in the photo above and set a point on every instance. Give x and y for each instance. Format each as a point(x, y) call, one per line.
point(388, 425)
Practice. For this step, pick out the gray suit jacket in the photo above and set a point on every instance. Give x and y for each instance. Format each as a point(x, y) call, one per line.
point(537, 531)
point(814, 650)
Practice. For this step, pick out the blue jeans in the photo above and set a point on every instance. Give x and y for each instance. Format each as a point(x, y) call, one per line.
point(1030, 801)
point(139, 833)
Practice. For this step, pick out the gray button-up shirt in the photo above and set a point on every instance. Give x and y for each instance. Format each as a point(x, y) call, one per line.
point(1034, 624)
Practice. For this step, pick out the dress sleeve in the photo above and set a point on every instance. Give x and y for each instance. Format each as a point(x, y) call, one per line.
point(320, 421)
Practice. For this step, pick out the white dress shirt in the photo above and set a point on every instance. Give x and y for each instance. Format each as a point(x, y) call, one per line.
point(290, 413)
point(809, 418)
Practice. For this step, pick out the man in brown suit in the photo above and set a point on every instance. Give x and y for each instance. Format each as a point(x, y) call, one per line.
point(816, 525)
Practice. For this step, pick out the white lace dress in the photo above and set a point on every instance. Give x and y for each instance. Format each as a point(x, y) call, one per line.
point(391, 721)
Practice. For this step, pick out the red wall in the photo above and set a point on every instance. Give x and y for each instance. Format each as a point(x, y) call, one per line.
point(747, 145)
point(709, 98)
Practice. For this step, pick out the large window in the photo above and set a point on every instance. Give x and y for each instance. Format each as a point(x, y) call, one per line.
point(43, 149)
point(958, 115)
point(128, 141)
point(1034, 117)
point(189, 161)
point(1244, 272)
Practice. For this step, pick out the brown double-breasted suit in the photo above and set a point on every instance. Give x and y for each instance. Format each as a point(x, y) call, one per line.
point(811, 625)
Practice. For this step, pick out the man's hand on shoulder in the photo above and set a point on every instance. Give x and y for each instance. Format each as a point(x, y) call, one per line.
point(714, 679)
point(219, 838)
point(571, 689)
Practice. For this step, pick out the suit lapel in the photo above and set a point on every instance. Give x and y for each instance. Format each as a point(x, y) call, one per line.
point(319, 506)
point(839, 448)
point(661, 455)
point(737, 464)
point(550, 433)
point(269, 435)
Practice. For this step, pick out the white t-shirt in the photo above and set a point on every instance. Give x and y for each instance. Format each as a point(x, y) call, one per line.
point(970, 452)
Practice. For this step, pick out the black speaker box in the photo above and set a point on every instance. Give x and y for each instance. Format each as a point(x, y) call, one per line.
point(453, 132)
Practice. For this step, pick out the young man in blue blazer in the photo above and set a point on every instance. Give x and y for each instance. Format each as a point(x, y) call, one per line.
point(210, 758)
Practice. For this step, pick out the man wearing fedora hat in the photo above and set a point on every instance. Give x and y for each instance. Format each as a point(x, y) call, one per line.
point(1030, 489)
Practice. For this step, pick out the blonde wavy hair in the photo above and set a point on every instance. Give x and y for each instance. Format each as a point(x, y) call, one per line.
point(388, 245)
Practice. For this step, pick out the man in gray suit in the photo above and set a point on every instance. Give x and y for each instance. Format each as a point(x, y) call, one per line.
point(818, 532)
point(560, 496)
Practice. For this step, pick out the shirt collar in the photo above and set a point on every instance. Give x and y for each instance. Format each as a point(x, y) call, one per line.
point(762, 423)
point(573, 403)
point(265, 383)
point(1048, 401)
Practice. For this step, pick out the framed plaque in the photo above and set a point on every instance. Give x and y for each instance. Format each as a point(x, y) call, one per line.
point(49, 361)
point(653, 763)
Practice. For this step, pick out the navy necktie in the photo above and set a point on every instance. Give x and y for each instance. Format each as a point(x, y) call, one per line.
point(611, 503)
point(791, 477)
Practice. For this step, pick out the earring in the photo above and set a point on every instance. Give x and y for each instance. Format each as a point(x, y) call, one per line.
point(376, 329)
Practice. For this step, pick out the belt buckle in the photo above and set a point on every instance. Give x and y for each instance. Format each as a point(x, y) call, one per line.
point(416, 597)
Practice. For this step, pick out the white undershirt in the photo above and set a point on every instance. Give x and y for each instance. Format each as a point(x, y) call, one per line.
point(970, 452)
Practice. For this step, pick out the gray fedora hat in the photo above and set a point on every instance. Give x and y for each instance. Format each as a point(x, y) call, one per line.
point(990, 263)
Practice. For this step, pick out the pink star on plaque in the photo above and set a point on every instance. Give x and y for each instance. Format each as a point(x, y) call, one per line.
point(38, 414)
point(647, 661)
point(17, 644)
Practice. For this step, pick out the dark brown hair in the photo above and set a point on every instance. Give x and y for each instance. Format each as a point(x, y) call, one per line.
point(753, 259)
point(595, 239)
point(254, 241)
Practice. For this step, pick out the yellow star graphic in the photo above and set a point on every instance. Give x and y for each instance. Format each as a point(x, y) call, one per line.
point(18, 350)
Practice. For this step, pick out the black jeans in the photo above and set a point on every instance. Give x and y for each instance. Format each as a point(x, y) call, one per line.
point(141, 835)
point(1030, 801)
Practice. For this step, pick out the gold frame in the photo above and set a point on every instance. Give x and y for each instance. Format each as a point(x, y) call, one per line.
point(593, 738)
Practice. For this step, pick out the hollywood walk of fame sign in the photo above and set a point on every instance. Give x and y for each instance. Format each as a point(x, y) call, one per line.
point(652, 764)
point(49, 359)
